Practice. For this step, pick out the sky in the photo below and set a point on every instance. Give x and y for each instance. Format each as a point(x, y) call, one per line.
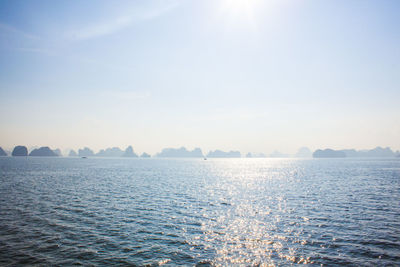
point(249, 75)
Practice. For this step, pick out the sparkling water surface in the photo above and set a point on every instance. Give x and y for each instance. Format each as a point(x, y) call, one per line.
point(128, 212)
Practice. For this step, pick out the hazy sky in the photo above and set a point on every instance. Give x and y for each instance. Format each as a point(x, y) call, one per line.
point(247, 75)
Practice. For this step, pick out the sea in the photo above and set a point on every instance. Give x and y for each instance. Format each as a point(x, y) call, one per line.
point(196, 212)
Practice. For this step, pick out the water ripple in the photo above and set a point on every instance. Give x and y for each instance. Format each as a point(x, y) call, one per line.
point(132, 212)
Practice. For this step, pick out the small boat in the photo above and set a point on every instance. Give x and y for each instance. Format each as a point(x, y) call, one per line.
point(84, 157)
point(205, 158)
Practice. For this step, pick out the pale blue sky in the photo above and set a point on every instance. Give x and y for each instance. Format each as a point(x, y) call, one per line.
point(254, 76)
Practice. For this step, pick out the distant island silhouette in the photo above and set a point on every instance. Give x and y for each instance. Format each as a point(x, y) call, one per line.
point(145, 155)
point(110, 152)
point(107, 152)
point(20, 151)
point(2, 153)
point(72, 153)
point(43, 152)
point(222, 154)
point(58, 152)
point(182, 152)
point(255, 155)
point(277, 154)
point(328, 153)
point(377, 152)
point(129, 153)
point(303, 152)
point(85, 152)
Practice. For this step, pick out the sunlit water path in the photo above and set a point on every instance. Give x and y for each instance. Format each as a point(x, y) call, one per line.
point(64, 211)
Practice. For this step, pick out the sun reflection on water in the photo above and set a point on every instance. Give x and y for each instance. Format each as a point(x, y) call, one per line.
point(221, 212)
point(252, 223)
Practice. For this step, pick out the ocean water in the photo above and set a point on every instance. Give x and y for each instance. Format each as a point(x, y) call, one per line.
point(219, 212)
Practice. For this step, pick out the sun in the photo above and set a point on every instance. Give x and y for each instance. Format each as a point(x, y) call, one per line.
point(240, 4)
point(240, 11)
point(240, 7)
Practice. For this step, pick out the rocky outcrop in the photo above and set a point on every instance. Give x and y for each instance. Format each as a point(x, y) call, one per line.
point(20, 151)
point(44, 151)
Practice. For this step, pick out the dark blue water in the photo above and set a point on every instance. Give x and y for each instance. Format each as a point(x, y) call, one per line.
point(64, 211)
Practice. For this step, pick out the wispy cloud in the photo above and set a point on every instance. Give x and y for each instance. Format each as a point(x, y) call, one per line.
point(116, 24)
point(12, 30)
point(43, 51)
point(14, 39)
point(101, 29)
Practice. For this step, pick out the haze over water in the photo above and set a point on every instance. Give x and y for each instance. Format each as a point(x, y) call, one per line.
point(248, 75)
point(63, 211)
point(105, 81)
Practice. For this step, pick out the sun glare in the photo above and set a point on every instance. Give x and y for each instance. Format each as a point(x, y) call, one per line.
point(240, 7)
point(241, 11)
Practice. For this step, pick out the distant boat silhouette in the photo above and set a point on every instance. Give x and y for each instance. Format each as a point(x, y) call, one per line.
point(84, 157)
point(205, 158)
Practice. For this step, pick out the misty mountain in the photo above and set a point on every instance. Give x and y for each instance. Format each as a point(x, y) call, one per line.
point(129, 153)
point(351, 153)
point(85, 152)
point(377, 152)
point(110, 152)
point(380, 152)
point(44, 151)
point(222, 154)
point(19, 151)
point(329, 153)
point(2, 152)
point(277, 154)
point(303, 152)
point(180, 153)
point(145, 155)
point(58, 152)
point(255, 155)
point(72, 153)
